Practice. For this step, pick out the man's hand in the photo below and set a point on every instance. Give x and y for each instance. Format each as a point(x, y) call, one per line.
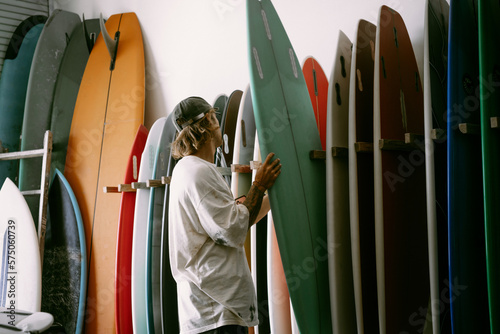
point(268, 172)
point(264, 179)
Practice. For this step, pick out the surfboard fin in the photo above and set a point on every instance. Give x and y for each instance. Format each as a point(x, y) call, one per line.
point(111, 44)
point(89, 37)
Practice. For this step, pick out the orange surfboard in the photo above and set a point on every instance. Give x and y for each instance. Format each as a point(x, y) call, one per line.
point(108, 111)
point(317, 86)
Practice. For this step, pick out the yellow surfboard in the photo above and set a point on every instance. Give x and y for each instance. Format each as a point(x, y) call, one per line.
point(108, 111)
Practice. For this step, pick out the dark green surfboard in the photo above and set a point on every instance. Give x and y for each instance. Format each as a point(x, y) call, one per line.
point(66, 90)
point(468, 292)
point(489, 72)
point(286, 125)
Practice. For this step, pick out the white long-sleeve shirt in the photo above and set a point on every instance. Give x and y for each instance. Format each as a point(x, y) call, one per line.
point(207, 231)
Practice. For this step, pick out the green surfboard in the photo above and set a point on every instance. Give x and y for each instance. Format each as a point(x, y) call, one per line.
point(286, 125)
point(489, 72)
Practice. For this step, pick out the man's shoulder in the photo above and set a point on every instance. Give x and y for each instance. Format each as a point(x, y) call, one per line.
point(194, 168)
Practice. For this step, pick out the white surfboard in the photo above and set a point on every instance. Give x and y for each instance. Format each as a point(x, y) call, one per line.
point(360, 106)
point(243, 144)
point(435, 11)
point(20, 272)
point(139, 243)
point(279, 300)
point(240, 182)
point(337, 193)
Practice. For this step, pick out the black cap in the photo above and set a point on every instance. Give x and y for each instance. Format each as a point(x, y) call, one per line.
point(189, 111)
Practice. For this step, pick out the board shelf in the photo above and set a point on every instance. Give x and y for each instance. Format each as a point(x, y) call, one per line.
point(495, 121)
point(469, 128)
point(236, 168)
point(438, 134)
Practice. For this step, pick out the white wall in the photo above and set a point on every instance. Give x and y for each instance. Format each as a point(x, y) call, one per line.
point(199, 47)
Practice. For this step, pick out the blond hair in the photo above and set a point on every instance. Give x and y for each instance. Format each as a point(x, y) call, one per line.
point(193, 137)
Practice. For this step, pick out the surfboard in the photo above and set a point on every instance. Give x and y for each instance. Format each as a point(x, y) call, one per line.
point(233, 108)
point(435, 108)
point(139, 242)
point(317, 85)
point(361, 182)
point(243, 153)
point(220, 103)
point(13, 86)
point(16, 321)
point(47, 60)
point(228, 128)
point(154, 233)
point(400, 209)
point(489, 71)
point(64, 276)
point(258, 248)
point(467, 263)
point(20, 274)
point(286, 126)
point(168, 287)
point(108, 112)
point(337, 189)
point(244, 142)
point(66, 89)
point(279, 298)
point(123, 266)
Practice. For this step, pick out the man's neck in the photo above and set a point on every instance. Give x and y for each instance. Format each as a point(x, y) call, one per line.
point(206, 152)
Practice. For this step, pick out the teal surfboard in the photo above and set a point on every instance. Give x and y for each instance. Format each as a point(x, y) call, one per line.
point(13, 86)
point(468, 292)
point(286, 125)
point(489, 72)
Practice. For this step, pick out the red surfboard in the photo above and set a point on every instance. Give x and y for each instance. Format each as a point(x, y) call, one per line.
point(123, 298)
point(317, 85)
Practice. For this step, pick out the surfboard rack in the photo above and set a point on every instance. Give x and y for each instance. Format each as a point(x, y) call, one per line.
point(396, 145)
point(236, 168)
point(438, 134)
point(337, 152)
point(412, 142)
point(469, 128)
point(363, 147)
point(45, 153)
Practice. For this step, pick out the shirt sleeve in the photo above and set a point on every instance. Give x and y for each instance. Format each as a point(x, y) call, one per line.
point(225, 221)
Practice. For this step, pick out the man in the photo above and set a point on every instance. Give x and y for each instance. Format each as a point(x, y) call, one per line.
point(207, 228)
